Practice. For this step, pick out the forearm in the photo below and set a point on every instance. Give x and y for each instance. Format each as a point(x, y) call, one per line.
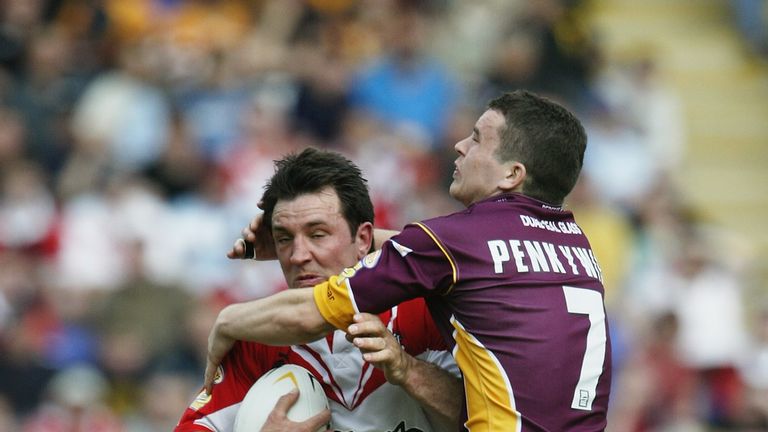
point(438, 392)
point(286, 318)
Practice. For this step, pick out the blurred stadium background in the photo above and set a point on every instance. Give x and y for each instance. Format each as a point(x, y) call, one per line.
point(135, 137)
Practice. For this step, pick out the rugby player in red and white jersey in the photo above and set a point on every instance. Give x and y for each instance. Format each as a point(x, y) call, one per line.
point(320, 215)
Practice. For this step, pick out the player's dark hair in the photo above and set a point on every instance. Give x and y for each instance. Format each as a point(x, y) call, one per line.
point(313, 170)
point(545, 137)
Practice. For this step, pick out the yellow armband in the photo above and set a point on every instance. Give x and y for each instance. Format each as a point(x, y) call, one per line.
point(333, 300)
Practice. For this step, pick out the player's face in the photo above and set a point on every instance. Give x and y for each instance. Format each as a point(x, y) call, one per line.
point(312, 238)
point(478, 172)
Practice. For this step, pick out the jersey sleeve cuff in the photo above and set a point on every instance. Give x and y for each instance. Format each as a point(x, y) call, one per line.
point(333, 302)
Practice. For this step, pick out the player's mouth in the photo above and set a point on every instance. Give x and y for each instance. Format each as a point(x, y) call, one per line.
point(309, 280)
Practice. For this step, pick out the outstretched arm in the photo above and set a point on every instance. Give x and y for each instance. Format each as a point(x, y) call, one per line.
point(286, 318)
point(438, 392)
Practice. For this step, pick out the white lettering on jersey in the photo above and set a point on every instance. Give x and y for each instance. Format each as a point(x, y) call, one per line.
point(597, 266)
point(585, 261)
point(538, 262)
point(535, 256)
point(558, 227)
point(567, 252)
point(518, 254)
point(499, 254)
point(554, 261)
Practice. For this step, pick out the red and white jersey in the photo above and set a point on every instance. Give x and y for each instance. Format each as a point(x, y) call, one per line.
point(360, 398)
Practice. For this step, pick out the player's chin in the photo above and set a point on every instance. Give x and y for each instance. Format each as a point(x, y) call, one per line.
point(454, 189)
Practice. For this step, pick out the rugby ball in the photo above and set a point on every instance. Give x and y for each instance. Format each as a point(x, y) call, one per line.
point(263, 395)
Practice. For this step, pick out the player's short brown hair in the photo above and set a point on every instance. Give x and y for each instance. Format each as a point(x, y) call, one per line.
point(545, 137)
point(312, 170)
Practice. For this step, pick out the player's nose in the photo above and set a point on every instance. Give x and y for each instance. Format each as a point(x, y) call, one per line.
point(300, 251)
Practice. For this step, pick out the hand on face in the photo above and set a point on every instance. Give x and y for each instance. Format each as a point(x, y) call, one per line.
point(256, 242)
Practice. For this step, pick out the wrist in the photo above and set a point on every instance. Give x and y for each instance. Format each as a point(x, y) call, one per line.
point(402, 376)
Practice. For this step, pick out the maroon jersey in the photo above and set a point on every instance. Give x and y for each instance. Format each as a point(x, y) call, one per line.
point(515, 289)
point(360, 398)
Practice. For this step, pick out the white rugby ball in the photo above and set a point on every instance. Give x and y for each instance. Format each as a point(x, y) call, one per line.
point(263, 395)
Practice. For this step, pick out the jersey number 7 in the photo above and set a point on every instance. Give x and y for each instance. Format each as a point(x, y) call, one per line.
point(590, 303)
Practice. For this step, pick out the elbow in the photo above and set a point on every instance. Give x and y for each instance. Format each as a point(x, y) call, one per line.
point(224, 322)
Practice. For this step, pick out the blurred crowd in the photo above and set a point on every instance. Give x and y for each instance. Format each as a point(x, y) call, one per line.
point(136, 137)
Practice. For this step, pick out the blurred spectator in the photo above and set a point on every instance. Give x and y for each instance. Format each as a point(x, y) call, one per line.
point(45, 94)
point(322, 72)
point(647, 105)
point(405, 87)
point(139, 324)
point(621, 166)
point(180, 170)
point(548, 48)
point(163, 396)
point(97, 229)
point(75, 402)
point(212, 110)
point(12, 137)
point(713, 335)
point(125, 113)
point(755, 373)
point(7, 419)
point(752, 20)
point(469, 36)
point(27, 331)
point(515, 65)
point(18, 20)
point(28, 214)
point(656, 391)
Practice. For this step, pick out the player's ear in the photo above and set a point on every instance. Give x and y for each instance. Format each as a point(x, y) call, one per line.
point(514, 177)
point(364, 239)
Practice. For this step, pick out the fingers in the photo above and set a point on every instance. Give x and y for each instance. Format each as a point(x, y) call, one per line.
point(366, 325)
point(285, 402)
point(317, 420)
point(255, 224)
point(255, 243)
point(249, 234)
point(368, 344)
point(364, 317)
point(210, 376)
point(218, 347)
point(238, 250)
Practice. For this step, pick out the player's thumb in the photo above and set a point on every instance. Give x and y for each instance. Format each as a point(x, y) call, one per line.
point(286, 401)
